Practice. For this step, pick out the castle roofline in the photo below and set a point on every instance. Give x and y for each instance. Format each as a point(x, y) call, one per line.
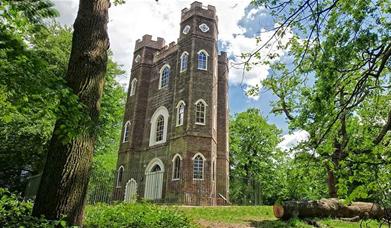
point(147, 41)
point(196, 8)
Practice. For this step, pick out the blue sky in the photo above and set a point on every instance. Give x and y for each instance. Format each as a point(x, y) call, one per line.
point(239, 23)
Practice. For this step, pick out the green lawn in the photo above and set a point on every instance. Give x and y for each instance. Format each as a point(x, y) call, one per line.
point(255, 216)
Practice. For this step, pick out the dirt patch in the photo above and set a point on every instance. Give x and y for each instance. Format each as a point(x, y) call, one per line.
point(210, 224)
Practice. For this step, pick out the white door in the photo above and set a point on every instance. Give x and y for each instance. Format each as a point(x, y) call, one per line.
point(131, 191)
point(154, 183)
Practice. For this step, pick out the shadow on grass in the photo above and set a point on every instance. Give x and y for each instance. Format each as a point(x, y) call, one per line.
point(268, 224)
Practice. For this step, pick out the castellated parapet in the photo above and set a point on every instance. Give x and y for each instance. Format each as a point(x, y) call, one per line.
point(147, 41)
point(198, 9)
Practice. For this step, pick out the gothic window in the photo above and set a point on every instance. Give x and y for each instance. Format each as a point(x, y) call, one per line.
point(176, 167)
point(159, 122)
point(180, 113)
point(159, 128)
point(164, 76)
point(120, 175)
point(198, 166)
point(126, 131)
point(200, 112)
point(133, 86)
point(184, 60)
point(202, 60)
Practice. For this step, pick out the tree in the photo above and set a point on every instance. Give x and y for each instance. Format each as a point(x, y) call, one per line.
point(337, 87)
point(30, 84)
point(65, 177)
point(255, 159)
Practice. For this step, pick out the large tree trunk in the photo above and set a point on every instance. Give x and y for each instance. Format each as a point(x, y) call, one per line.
point(65, 177)
point(327, 208)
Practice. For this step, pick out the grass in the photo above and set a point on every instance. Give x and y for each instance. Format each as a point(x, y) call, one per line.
point(256, 216)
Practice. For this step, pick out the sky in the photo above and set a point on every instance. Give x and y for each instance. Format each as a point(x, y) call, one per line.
point(239, 23)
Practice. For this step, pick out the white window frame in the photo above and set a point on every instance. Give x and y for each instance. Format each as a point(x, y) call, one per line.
point(195, 112)
point(173, 166)
point(121, 167)
point(203, 165)
point(133, 86)
point(183, 69)
point(206, 61)
point(152, 135)
point(161, 74)
point(178, 106)
point(126, 131)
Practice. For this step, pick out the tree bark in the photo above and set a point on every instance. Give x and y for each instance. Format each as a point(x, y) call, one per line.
point(65, 177)
point(327, 208)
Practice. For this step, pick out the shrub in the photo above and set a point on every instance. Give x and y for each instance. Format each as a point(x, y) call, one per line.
point(15, 212)
point(134, 215)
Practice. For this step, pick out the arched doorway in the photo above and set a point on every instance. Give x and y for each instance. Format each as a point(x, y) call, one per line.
point(154, 180)
point(131, 191)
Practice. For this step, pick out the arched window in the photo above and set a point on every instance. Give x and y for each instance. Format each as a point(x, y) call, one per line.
point(202, 60)
point(126, 131)
point(176, 166)
point(120, 175)
point(159, 125)
point(184, 59)
point(180, 113)
point(159, 128)
point(198, 166)
point(164, 76)
point(133, 86)
point(200, 112)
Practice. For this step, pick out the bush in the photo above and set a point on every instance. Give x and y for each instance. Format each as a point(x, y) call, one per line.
point(15, 212)
point(134, 215)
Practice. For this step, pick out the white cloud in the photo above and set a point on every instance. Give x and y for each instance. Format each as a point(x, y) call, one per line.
point(132, 20)
point(291, 140)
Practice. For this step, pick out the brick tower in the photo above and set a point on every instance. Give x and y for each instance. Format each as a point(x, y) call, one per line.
point(174, 145)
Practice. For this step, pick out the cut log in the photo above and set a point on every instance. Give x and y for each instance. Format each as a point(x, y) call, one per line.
point(327, 208)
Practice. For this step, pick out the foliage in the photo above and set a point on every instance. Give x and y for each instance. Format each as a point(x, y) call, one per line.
point(254, 159)
point(335, 84)
point(31, 68)
point(33, 64)
point(17, 213)
point(134, 215)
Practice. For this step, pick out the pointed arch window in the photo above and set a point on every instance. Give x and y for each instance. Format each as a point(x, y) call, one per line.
point(180, 113)
point(202, 60)
point(184, 60)
point(159, 128)
point(133, 86)
point(176, 167)
point(159, 122)
point(126, 131)
point(200, 112)
point(198, 166)
point(120, 174)
point(164, 76)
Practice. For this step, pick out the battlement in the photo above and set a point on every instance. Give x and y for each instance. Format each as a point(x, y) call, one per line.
point(165, 51)
point(196, 8)
point(147, 41)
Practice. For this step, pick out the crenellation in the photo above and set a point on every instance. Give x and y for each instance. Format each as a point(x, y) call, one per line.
point(198, 9)
point(147, 41)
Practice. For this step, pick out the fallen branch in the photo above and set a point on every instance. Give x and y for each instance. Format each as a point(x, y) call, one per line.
point(327, 208)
